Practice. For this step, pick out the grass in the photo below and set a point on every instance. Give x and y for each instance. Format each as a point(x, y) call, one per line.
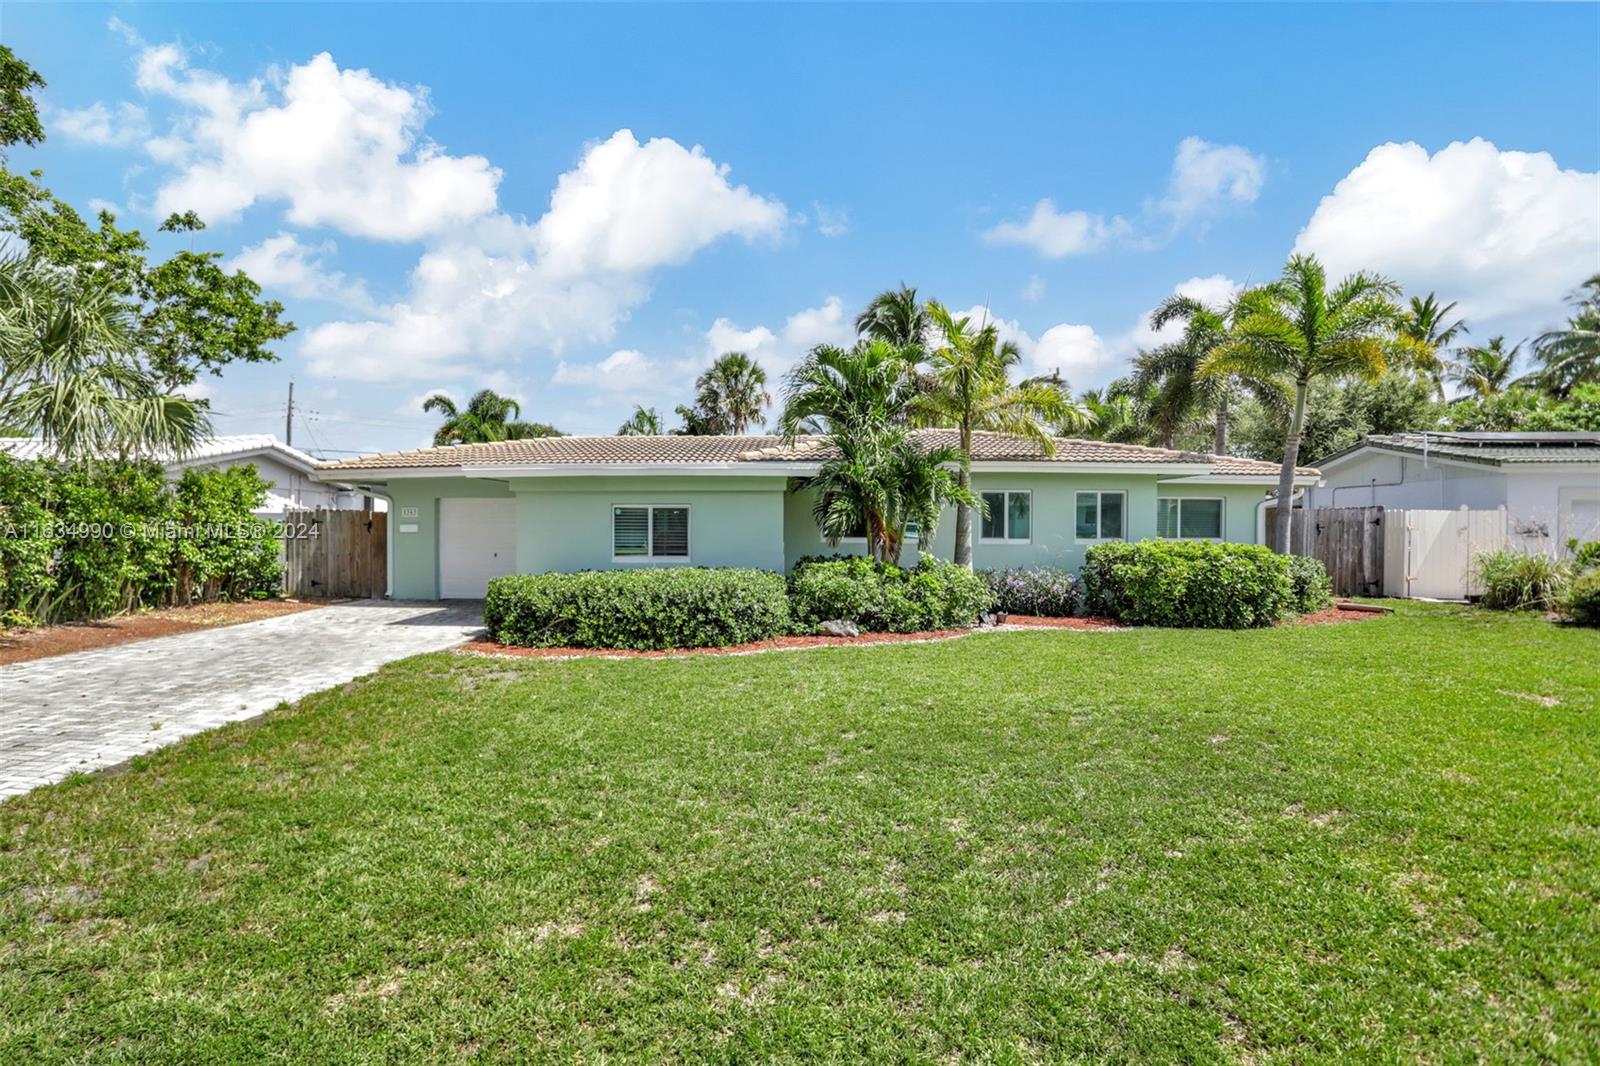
point(1375, 841)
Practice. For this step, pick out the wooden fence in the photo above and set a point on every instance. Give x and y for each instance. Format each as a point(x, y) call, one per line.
point(1373, 551)
point(1349, 542)
point(335, 553)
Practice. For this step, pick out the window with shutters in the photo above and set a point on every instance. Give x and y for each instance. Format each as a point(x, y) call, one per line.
point(644, 532)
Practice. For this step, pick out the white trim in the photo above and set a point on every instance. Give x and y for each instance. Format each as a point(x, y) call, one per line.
point(742, 468)
point(1222, 517)
point(1099, 513)
point(1006, 514)
point(1270, 480)
point(650, 558)
point(1432, 458)
point(1054, 466)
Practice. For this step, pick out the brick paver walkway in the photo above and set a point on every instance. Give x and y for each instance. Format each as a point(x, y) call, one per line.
point(98, 708)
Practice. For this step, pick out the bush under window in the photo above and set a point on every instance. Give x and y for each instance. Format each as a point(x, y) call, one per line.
point(1044, 591)
point(647, 610)
point(1188, 584)
point(878, 596)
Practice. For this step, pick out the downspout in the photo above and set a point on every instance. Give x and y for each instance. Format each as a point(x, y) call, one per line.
point(388, 541)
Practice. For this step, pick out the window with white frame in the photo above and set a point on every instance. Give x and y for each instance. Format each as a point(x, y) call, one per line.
point(1099, 516)
point(640, 532)
point(1183, 518)
point(1008, 517)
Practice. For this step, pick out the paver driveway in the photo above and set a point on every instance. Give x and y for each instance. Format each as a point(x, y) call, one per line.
point(98, 708)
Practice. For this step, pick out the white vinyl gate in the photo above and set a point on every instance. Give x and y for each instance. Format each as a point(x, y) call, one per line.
point(1429, 554)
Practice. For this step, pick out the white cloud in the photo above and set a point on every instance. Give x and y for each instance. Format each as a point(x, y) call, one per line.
point(340, 147)
point(1207, 177)
point(1054, 234)
point(831, 221)
point(97, 205)
point(1075, 351)
point(281, 263)
point(413, 405)
point(624, 370)
point(99, 125)
point(1034, 291)
point(779, 350)
point(1213, 290)
point(1503, 232)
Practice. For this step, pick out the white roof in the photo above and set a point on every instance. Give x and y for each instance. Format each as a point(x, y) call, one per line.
point(239, 446)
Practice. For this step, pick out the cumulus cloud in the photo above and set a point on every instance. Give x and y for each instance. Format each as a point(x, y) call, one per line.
point(100, 125)
point(339, 147)
point(1209, 177)
point(1503, 232)
point(777, 350)
point(624, 370)
point(283, 264)
point(1075, 351)
point(1054, 233)
point(1213, 290)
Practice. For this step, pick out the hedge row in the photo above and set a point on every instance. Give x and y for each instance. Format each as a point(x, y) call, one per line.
point(878, 596)
point(87, 542)
point(1200, 584)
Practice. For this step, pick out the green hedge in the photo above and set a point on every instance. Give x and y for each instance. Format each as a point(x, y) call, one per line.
point(1313, 589)
point(1582, 604)
point(644, 609)
point(84, 542)
point(1188, 584)
point(877, 596)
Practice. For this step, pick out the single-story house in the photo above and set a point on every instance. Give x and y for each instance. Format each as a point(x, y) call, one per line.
point(288, 469)
point(1548, 483)
point(465, 513)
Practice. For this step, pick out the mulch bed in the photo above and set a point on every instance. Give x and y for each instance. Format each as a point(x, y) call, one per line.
point(22, 645)
point(1336, 614)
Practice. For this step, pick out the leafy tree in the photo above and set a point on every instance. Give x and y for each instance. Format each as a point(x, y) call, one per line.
point(1339, 414)
point(1571, 356)
point(970, 390)
point(729, 398)
point(1426, 323)
point(1524, 409)
point(644, 422)
point(1485, 369)
point(897, 317)
point(1114, 416)
point(1297, 329)
point(488, 417)
point(19, 115)
point(68, 372)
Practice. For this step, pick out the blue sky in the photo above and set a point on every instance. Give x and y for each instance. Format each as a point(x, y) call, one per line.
point(581, 205)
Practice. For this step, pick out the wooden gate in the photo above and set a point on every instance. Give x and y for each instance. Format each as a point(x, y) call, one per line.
point(335, 553)
point(1348, 541)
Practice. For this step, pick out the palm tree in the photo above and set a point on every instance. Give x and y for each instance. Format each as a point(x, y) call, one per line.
point(847, 391)
point(1571, 356)
point(897, 317)
point(1425, 324)
point(488, 417)
point(1295, 328)
point(69, 373)
point(1485, 370)
point(644, 422)
point(730, 397)
point(1116, 416)
point(971, 391)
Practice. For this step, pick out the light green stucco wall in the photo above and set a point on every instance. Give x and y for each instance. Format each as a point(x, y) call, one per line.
point(565, 523)
point(416, 555)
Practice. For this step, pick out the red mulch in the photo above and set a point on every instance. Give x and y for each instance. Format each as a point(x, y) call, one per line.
point(1031, 621)
point(21, 645)
point(1336, 614)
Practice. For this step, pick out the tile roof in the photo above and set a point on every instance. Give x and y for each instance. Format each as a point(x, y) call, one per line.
point(1490, 449)
point(986, 447)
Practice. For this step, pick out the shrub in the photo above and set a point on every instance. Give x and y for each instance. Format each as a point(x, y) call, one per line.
point(877, 596)
point(1313, 589)
point(1583, 599)
point(1043, 591)
point(1520, 581)
point(1188, 584)
point(1585, 555)
point(645, 609)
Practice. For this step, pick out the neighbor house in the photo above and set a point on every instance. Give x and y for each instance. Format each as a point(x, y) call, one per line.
point(465, 513)
point(1547, 483)
point(288, 470)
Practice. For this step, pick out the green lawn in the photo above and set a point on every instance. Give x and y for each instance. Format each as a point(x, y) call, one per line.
point(1378, 841)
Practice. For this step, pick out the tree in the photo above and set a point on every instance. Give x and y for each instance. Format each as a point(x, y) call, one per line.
point(1338, 414)
point(1295, 328)
point(69, 375)
point(1486, 369)
point(1116, 417)
point(970, 390)
point(1179, 393)
point(1425, 323)
point(488, 417)
point(19, 114)
point(644, 422)
point(1571, 356)
point(898, 318)
point(730, 396)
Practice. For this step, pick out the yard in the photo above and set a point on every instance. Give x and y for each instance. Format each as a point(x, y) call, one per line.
point(1378, 840)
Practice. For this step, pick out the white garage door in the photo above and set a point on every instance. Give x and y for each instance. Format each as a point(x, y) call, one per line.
point(477, 541)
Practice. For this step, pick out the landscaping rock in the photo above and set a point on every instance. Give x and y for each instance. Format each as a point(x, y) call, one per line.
point(837, 628)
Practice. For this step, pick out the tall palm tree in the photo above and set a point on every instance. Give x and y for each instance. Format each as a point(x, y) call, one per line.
point(488, 417)
point(1426, 322)
point(897, 317)
point(1116, 416)
point(1485, 370)
point(69, 373)
point(644, 422)
point(838, 391)
point(1571, 356)
point(1295, 328)
point(730, 397)
point(971, 390)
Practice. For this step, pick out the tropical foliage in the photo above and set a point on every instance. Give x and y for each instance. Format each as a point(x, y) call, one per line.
point(644, 422)
point(730, 397)
point(1570, 356)
point(486, 418)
